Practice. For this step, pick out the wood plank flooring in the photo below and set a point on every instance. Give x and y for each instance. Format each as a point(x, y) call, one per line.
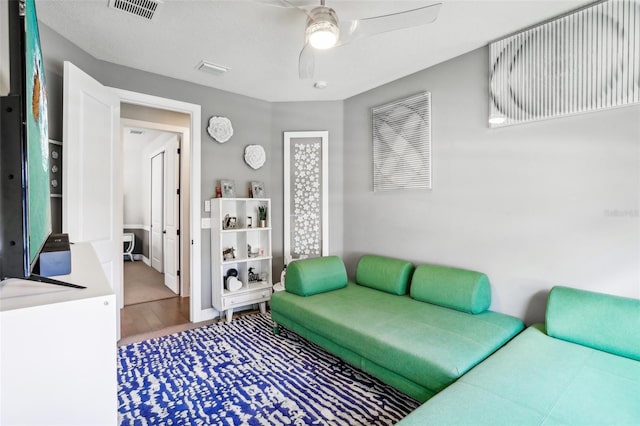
point(153, 316)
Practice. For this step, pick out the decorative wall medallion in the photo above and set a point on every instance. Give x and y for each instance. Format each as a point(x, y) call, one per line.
point(254, 156)
point(220, 129)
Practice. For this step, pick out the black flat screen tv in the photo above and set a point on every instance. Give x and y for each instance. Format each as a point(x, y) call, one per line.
point(25, 206)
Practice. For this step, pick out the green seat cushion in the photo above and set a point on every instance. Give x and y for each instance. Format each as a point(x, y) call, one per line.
point(600, 321)
point(429, 344)
point(461, 289)
point(539, 380)
point(318, 275)
point(384, 273)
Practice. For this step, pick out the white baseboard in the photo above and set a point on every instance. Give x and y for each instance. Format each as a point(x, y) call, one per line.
point(145, 260)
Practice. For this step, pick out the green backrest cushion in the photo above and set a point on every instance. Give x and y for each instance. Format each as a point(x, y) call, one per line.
point(460, 289)
point(317, 275)
point(384, 274)
point(600, 321)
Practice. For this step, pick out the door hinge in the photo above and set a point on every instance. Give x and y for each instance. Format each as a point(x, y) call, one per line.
point(178, 273)
point(178, 191)
point(177, 232)
point(178, 150)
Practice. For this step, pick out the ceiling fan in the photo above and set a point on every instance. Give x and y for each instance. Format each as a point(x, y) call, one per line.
point(323, 29)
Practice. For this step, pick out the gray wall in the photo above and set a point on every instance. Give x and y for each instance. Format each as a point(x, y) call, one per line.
point(251, 120)
point(535, 205)
point(553, 202)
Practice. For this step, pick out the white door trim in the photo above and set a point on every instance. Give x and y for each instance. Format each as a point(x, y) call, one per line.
point(183, 134)
point(197, 313)
point(157, 228)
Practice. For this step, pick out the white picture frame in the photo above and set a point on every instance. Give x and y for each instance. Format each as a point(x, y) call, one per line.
point(257, 189)
point(227, 188)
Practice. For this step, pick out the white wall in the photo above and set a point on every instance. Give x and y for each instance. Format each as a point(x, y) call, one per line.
point(531, 205)
point(136, 175)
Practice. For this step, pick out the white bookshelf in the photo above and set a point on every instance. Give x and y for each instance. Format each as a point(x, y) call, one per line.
point(254, 268)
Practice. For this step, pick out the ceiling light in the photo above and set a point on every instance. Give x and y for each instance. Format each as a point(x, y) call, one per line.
point(322, 30)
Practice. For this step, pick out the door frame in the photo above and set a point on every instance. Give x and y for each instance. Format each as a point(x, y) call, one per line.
point(153, 155)
point(183, 134)
point(197, 313)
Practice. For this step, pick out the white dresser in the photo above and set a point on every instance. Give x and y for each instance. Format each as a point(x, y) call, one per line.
point(58, 348)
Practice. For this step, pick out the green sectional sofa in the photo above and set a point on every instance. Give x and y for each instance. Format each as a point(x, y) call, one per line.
point(583, 368)
point(417, 330)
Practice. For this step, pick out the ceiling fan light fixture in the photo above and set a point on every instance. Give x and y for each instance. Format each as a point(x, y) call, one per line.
point(323, 31)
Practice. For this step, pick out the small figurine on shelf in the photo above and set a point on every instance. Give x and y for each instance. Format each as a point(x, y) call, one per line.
point(262, 215)
point(253, 277)
point(229, 254)
point(252, 252)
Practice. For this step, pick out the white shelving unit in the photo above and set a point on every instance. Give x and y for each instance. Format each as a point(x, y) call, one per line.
point(253, 267)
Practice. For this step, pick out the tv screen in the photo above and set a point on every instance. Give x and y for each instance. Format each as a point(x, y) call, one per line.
point(25, 206)
point(38, 194)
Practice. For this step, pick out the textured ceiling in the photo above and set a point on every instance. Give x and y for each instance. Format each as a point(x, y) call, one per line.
point(261, 43)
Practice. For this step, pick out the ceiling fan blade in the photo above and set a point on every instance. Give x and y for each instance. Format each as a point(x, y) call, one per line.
point(306, 62)
point(353, 30)
point(275, 3)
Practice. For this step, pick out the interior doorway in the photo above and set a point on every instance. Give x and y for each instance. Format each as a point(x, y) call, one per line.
point(153, 206)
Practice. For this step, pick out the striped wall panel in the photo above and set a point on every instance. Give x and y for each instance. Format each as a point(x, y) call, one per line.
point(402, 144)
point(585, 61)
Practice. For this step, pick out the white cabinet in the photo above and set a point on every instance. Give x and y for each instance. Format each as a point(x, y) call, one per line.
point(241, 246)
point(58, 348)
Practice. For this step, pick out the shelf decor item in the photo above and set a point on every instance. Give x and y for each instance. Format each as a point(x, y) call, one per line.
point(262, 214)
point(255, 156)
point(257, 189)
point(220, 129)
point(227, 188)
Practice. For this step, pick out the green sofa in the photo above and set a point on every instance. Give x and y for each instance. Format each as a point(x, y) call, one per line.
point(583, 368)
point(417, 330)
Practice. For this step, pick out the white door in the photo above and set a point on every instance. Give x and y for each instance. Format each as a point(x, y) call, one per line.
point(157, 212)
point(92, 184)
point(172, 215)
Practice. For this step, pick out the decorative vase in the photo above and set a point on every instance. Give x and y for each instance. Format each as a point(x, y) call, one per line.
point(263, 223)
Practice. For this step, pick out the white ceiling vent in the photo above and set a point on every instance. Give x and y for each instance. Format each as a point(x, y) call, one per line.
point(142, 8)
point(211, 68)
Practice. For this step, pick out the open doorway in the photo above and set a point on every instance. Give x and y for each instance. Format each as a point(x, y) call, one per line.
point(156, 293)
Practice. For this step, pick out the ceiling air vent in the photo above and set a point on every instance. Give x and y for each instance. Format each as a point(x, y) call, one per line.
point(142, 8)
point(211, 68)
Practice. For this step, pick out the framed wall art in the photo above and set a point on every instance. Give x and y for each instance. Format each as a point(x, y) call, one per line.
point(306, 195)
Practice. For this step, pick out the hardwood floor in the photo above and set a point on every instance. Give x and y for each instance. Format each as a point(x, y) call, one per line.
point(153, 316)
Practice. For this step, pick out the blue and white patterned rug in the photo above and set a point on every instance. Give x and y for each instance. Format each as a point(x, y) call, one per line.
point(242, 374)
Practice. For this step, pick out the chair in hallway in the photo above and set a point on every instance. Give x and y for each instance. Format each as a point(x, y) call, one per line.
point(130, 242)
